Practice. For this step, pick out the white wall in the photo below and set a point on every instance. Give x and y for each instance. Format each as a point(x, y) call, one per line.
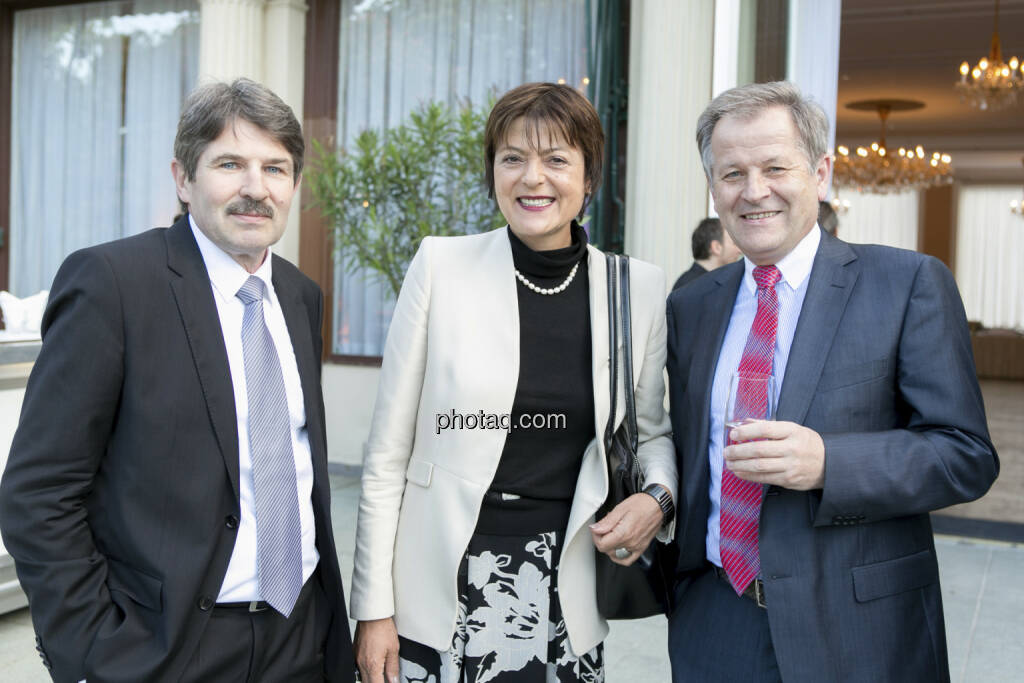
point(349, 394)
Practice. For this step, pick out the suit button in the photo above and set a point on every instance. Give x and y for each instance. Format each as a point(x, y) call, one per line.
point(205, 603)
point(231, 522)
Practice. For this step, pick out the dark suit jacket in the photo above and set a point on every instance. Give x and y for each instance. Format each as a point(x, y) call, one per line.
point(120, 499)
point(881, 366)
point(694, 272)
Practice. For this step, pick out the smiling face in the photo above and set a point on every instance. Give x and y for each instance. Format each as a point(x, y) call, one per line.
point(539, 182)
point(242, 191)
point(763, 189)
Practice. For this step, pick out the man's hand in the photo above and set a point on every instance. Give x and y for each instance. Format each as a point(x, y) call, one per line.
point(781, 453)
point(631, 525)
point(376, 646)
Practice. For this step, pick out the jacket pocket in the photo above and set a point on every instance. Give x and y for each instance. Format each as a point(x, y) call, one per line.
point(877, 580)
point(420, 472)
point(850, 375)
point(141, 588)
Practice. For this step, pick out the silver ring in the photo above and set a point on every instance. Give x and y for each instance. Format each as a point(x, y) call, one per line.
point(622, 553)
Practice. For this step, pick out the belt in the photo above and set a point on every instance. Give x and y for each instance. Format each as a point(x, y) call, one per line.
point(248, 606)
point(754, 591)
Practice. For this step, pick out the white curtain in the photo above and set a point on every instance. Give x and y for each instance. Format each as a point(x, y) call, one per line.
point(163, 61)
point(990, 255)
point(889, 219)
point(397, 54)
point(90, 157)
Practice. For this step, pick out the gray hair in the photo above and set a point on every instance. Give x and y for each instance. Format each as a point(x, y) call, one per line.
point(212, 107)
point(747, 101)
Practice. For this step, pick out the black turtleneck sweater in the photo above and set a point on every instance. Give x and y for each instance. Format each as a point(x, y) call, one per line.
point(555, 377)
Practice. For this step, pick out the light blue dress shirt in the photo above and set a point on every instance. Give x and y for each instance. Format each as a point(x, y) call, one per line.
point(795, 268)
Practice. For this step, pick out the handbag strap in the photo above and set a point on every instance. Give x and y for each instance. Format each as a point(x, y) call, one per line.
point(620, 331)
point(613, 358)
point(627, 350)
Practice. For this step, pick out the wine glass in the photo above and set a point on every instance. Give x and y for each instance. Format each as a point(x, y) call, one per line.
point(751, 397)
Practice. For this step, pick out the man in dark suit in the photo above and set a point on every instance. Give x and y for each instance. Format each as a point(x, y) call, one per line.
point(712, 248)
point(166, 500)
point(806, 552)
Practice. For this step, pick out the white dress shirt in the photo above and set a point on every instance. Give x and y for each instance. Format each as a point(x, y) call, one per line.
point(226, 278)
point(791, 288)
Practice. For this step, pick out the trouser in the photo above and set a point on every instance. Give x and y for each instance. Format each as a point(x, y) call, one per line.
point(240, 646)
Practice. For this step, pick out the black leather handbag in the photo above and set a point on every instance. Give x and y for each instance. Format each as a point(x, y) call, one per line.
point(643, 588)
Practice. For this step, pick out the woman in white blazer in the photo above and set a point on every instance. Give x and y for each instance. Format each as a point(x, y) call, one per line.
point(485, 465)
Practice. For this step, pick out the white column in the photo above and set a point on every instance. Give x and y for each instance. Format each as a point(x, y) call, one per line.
point(725, 72)
point(231, 42)
point(669, 86)
point(284, 53)
point(812, 54)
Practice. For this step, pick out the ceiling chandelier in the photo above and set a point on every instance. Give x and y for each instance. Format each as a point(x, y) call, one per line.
point(878, 169)
point(992, 83)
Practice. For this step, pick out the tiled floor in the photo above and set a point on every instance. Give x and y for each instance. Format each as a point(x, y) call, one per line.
point(981, 587)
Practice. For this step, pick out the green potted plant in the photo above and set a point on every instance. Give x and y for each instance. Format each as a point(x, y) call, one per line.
point(390, 189)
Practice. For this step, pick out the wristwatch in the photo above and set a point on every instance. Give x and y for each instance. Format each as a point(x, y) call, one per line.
point(664, 500)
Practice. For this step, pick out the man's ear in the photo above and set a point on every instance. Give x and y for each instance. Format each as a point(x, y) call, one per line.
point(823, 176)
point(716, 247)
point(180, 180)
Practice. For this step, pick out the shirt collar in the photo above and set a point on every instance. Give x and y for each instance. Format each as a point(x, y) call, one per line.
point(226, 274)
point(794, 266)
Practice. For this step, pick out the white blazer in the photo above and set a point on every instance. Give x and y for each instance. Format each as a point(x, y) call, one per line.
point(454, 344)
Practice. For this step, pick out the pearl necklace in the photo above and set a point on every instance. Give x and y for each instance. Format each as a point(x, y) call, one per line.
point(552, 290)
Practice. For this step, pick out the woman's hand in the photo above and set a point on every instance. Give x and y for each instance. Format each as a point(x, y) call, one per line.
point(376, 647)
point(631, 525)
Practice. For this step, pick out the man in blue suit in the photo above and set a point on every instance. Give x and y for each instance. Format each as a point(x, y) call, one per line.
point(806, 552)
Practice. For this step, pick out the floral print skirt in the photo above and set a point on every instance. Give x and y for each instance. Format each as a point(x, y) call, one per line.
point(509, 627)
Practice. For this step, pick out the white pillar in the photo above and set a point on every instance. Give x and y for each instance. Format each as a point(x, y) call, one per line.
point(284, 67)
point(231, 42)
point(812, 54)
point(725, 73)
point(669, 86)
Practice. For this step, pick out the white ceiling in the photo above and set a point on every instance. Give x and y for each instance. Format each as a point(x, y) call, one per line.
point(912, 49)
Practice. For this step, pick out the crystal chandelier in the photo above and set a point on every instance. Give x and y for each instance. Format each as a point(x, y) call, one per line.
point(992, 83)
point(879, 170)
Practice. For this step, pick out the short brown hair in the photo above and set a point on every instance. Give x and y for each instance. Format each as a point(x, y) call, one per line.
point(212, 107)
point(560, 107)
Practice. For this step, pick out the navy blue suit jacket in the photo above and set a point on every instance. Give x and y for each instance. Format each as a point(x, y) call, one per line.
point(881, 367)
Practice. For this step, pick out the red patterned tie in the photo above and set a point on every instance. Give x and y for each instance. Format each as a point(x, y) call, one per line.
point(741, 500)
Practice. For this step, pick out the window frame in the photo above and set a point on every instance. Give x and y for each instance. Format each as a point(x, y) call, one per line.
point(320, 122)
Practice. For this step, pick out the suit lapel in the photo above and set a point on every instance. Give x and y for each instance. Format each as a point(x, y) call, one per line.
point(715, 314)
point(832, 279)
point(190, 284)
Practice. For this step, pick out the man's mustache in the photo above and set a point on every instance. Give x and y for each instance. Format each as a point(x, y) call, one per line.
point(251, 206)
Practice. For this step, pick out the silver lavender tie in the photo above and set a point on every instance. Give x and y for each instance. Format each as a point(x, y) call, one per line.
point(278, 533)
